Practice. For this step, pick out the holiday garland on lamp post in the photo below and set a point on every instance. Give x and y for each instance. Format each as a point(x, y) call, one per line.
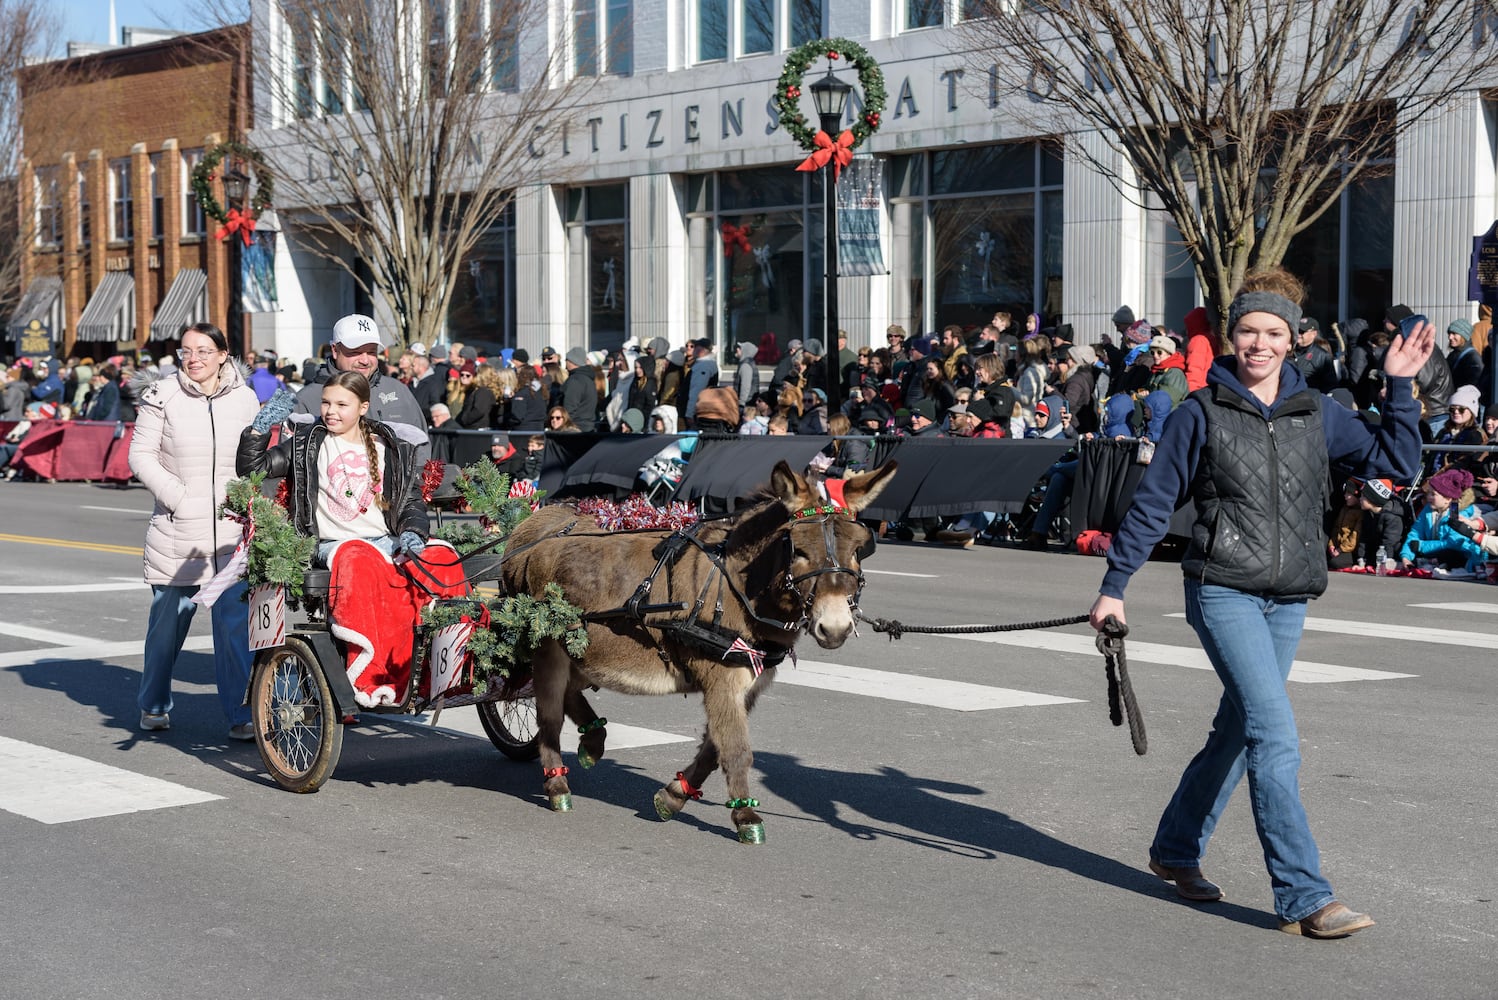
point(788, 90)
point(233, 221)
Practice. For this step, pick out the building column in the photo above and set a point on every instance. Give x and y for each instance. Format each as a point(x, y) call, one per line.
point(100, 210)
point(72, 269)
point(140, 246)
point(1103, 244)
point(169, 181)
point(1444, 181)
point(658, 259)
point(540, 267)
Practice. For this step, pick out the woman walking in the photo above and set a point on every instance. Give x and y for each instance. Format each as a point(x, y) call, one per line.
point(1252, 450)
point(187, 428)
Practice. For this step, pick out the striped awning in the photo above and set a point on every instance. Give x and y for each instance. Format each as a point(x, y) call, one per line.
point(110, 313)
point(42, 301)
point(186, 303)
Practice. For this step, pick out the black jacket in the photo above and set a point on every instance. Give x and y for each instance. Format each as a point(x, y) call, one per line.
point(297, 457)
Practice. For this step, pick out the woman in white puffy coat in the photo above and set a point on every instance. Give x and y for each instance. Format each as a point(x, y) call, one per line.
point(187, 429)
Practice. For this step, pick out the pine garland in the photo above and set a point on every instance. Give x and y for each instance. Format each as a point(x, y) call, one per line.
point(486, 492)
point(278, 555)
point(516, 626)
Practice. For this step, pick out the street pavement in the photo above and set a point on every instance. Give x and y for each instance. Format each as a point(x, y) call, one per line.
point(945, 816)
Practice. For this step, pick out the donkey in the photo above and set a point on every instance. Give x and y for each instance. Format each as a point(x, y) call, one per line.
point(710, 611)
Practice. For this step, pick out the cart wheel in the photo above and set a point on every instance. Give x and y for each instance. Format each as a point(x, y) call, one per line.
point(511, 726)
point(296, 723)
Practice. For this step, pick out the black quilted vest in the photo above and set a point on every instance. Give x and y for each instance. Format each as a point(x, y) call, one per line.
point(1260, 492)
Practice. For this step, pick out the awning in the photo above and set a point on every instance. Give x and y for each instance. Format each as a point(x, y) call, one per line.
point(186, 303)
point(42, 301)
point(110, 313)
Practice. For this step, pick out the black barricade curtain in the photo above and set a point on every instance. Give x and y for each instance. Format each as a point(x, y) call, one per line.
point(723, 471)
point(1107, 476)
point(938, 477)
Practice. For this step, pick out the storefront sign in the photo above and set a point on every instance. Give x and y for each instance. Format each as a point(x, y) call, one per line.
point(35, 340)
point(860, 195)
point(1482, 275)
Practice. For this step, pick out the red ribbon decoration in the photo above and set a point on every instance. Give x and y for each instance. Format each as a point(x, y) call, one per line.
point(735, 238)
point(839, 152)
point(234, 222)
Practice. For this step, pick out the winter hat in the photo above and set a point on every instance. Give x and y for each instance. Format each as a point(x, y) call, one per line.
point(469, 367)
point(1085, 355)
point(1467, 397)
point(817, 392)
point(1003, 400)
point(1462, 328)
point(1040, 408)
point(1377, 492)
point(676, 358)
point(871, 414)
point(1451, 483)
point(1160, 342)
point(577, 356)
point(469, 353)
point(521, 356)
point(634, 420)
point(1139, 332)
point(1395, 313)
point(921, 346)
point(813, 348)
point(925, 408)
point(1124, 315)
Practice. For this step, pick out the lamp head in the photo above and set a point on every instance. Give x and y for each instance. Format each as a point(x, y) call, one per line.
point(830, 96)
point(236, 185)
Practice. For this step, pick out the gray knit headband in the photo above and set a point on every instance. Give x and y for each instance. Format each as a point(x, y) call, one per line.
point(1264, 302)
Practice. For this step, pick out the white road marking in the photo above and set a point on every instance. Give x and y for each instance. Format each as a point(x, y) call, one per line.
point(53, 787)
point(890, 572)
point(1303, 671)
point(76, 588)
point(117, 510)
point(1476, 609)
point(465, 722)
point(1383, 630)
point(956, 695)
point(107, 652)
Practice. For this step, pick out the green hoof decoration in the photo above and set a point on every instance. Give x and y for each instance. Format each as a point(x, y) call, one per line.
point(561, 803)
point(752, 833)
point(663, 807)
point(584, 759)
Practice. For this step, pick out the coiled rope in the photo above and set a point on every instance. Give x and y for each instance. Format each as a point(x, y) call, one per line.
point(1122, 703)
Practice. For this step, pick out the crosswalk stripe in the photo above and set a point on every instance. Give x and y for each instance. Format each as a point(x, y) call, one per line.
point(1466, 607)
point(91, 650)
point(1384, 630)
point(890, 572)
point(910, 688)
point(1303, 671)
point(54, 787)
point(76, 588)
point(465, 722)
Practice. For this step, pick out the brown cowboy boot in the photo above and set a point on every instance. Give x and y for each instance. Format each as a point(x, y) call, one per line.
point(1331, 921)
point(1190, 882)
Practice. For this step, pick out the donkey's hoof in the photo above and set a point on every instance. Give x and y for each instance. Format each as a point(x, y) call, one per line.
point(664, 807)
point(585, 759)
point(751, 833)
point(560, 803)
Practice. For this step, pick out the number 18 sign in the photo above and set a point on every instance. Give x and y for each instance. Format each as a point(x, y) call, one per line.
point(267, 617)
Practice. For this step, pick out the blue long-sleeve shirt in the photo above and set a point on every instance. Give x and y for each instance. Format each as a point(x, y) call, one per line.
point(1391, 449)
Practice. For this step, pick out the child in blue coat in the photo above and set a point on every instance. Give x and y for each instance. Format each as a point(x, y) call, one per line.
point(1431, 536)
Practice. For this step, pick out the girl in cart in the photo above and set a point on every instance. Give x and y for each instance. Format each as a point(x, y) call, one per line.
point(354, 484)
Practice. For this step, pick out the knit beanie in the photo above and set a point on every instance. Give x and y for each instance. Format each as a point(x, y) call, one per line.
point(1461, 327)
point(1124, 315)
point(1451, 483)
point(1139, 332)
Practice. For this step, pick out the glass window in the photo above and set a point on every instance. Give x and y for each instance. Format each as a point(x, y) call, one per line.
point(607, 202)
point(712, 30)
point(504, 52)
point(806, 21)
point(122, 218)
point(585, 38)
point(436, 54)
point(48, 207)
point(621, 36)
point(743, 189)
point(598, 235)
point(482, 307)
point(923, 14)
point(986, 168)
point(193, 221)
point(303, 63)
point(158, 199)
point(758, 23)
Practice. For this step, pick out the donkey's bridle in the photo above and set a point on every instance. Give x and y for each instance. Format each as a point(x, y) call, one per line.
point(825, 517)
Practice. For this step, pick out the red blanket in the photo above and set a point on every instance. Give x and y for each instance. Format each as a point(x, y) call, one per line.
point(374, 608)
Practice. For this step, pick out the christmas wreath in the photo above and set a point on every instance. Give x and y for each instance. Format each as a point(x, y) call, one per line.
point(788, 89)
point(207, 169)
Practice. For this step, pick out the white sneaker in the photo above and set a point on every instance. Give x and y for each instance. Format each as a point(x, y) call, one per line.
point(1455, 573)
point(155, 720)
point(243, 731)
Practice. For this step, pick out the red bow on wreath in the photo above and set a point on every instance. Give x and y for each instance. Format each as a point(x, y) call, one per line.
point(735, 238)
point(839, 152)
point(234, 222)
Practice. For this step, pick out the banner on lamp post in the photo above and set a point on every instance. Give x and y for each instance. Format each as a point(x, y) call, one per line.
point(860, 192)
point(257, 274)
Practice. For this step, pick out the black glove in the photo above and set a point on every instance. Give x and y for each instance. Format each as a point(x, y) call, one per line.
point(1462, 528)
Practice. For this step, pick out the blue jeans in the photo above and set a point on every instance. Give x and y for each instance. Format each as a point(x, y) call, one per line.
point(171, 616)
point(1058, 488)
point(1251, 642)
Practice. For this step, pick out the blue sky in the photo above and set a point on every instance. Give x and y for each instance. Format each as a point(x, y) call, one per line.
point(88, 20)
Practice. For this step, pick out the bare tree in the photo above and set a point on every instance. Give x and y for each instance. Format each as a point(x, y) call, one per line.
point(29, 30)
point(1246, 119)
point(407, 126)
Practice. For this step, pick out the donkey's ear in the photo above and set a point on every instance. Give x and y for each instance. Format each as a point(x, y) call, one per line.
point(786, 486)
point(859, 491)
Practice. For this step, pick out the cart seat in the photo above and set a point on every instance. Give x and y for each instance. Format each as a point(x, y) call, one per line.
point(315, 582)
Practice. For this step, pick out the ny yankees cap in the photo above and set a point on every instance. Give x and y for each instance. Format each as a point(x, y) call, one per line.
point(356, 331)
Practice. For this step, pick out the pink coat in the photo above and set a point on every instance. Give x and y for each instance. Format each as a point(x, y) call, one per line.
point(183, 452)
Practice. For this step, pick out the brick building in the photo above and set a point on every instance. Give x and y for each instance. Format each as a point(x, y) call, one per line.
point(122, 256)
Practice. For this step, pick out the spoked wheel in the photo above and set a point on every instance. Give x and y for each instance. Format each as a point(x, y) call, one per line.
point(511, 726)
point(296, 722)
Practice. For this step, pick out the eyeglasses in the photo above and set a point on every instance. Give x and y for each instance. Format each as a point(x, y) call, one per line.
point(207, 354)
point(557, 419)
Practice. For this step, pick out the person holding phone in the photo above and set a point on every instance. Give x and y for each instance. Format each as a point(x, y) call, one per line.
point(1433, 381)
point(1252, 450)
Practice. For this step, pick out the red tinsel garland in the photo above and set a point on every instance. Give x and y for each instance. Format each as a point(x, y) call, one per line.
point(637, 513)
point(431, 478)
point(283, 494)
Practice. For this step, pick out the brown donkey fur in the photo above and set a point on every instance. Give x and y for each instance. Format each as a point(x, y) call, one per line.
point(764, 549)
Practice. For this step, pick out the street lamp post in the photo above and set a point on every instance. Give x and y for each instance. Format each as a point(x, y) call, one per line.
point(236, 188)
point(830, 96)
